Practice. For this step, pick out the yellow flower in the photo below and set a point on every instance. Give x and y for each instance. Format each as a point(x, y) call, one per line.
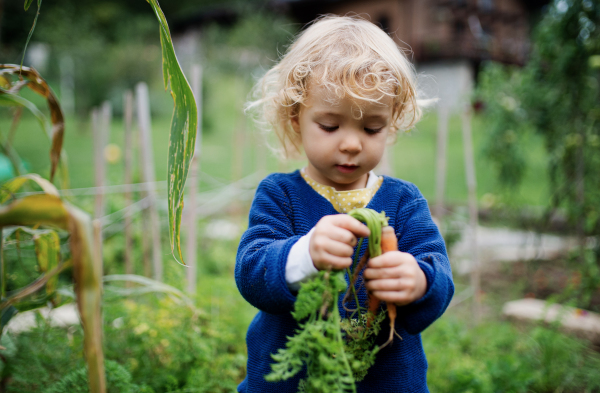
point(141, 328)
point(133, 363)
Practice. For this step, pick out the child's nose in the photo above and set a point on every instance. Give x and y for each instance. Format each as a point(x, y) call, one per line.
point(351, 144)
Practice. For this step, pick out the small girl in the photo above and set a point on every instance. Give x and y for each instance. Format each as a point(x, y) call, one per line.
point(342, 90)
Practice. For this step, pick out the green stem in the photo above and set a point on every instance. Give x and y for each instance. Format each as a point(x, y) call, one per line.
point(358, 247)
point(353, 289)
point(343, 352)
point(2, 278)
point(351, 272)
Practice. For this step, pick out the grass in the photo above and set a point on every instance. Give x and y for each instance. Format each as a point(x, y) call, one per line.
point(413, 156)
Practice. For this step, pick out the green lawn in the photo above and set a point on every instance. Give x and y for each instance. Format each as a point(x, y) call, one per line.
point(413, 155)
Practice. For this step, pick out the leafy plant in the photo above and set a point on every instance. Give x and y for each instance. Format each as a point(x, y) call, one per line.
point(118, 380)
point(49, 210)
point(336, 353)
point(556, 96)
point(498, 357)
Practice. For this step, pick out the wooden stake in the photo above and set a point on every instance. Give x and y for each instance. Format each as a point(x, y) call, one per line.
point(144, 122)
point(190, 208)
point(385, 167)
point(101, 119)
point(239, 142)
point(261, 153)
point(473, 212)
point(128, 162)
point(440, 176)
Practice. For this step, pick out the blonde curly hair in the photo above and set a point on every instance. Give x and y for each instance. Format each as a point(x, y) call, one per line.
point(348, 55)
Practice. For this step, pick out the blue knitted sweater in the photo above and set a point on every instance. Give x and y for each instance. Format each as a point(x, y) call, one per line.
point(284, 209)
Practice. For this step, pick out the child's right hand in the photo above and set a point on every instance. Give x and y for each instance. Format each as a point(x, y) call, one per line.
point(332, 243)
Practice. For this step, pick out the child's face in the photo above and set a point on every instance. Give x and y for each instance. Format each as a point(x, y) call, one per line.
point(341, 147)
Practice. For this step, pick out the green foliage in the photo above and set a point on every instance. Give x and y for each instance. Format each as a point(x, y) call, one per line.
point(318, 344)
point(183, 131)
point(556, 95)
point(118, 380)
point(497, 357)
point(333, 362)
point(163, 343)
point(170, 346)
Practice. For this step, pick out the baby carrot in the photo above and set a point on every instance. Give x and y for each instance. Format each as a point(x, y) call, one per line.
point(389, 242)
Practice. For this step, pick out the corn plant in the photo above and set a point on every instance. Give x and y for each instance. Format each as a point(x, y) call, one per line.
point(44, 215)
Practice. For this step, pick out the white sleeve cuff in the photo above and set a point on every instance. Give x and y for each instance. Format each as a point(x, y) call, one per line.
point(299, 266)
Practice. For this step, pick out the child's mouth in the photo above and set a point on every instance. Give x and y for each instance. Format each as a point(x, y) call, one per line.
point(346, 168)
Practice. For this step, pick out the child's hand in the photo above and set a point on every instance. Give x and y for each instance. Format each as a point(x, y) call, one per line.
point(395, 277)
point(332, 243)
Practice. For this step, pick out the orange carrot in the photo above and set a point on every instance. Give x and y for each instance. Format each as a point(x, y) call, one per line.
point(389, 242)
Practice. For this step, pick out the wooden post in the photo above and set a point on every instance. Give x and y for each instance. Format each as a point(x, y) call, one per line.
point(580, 191)
point(473, 212)
point(239, 142)
point(261, 153)
point(128, 161)
point(385, 166)
point(190, 208)
point(440, 175)
point(67, 85)
point(101, 119)
point(143, 114)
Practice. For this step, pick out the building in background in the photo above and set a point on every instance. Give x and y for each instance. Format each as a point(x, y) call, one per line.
point(447, 39)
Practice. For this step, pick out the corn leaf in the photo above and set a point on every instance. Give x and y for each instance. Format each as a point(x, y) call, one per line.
point(35, 82)
point(183, 131)
point(22, 298)
point(5, 316)
point(9, 188)
point(49, 210)
point(146, 285)
point(27, 4)
point(11, 99)
point(47, 251)
point(4, 83)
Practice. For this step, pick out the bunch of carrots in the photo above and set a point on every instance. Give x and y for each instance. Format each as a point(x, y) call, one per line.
point(349, 342)
point(383, 239)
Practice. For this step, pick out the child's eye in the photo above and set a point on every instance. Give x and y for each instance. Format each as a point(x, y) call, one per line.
point(328, 128)
point(372, 131)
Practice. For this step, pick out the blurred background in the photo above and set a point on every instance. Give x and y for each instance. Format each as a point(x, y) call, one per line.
point(508, 158)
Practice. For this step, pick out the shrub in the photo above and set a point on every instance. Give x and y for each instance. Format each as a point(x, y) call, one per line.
point(118, 380)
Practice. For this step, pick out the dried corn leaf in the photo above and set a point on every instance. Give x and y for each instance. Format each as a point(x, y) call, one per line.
point(183, 131)
point(9, 188)
point(51, 211)
point(34, 81)
point(47, 251)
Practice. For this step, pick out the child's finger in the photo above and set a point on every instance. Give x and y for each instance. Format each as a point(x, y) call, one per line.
point(338, 249)
point(384, 284)
point(399, 298)
point(390, 259)
point(325, 245)
point(381, 273)
point(352, 224)
point(342, 235)
point(336, 263)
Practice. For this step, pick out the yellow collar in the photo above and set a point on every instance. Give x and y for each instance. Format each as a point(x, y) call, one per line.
point(344, 201)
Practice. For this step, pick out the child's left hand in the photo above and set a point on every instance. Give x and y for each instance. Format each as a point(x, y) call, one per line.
point(395, 277)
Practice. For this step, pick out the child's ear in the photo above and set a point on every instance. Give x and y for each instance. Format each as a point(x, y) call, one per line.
point(295, 123)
